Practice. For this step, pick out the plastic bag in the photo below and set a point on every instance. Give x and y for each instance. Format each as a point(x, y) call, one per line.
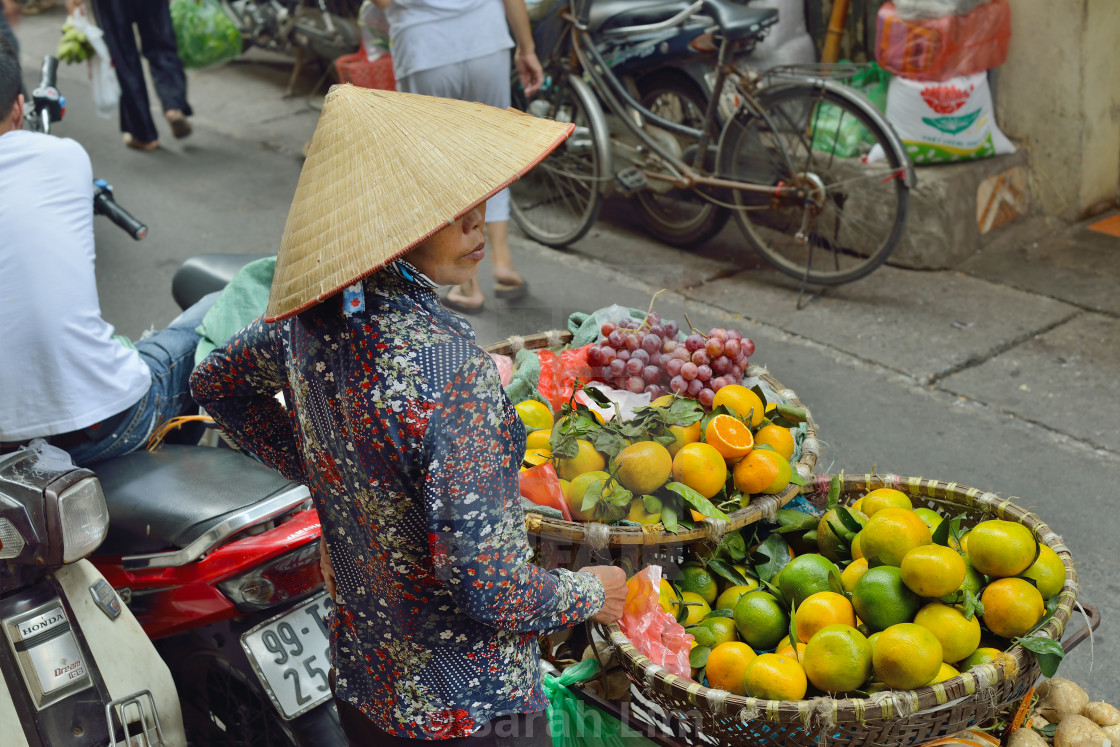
point(374, 27)
point(842, 134)
point(575, 723)
point(106, 88)
point(912, 9)
point(205, 34)
point(559, 373)
point(948, 121)
point(652, 630)
point(505, 367)
point(541, 486)
point(944, 47)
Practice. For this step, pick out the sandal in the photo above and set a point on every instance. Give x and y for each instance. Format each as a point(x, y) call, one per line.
point(462, 306)
point(145, 145)
point(180, 125)
point(511, 291)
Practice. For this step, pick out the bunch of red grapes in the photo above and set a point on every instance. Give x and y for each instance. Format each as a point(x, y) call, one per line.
point(647, 357)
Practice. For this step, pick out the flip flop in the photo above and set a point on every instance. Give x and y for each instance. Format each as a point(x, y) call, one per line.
point(463, 308)
point(511, 291)
point(144, 145)
point(180, 125)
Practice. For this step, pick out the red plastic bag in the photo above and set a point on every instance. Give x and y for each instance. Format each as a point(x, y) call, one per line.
point(541, 486)
point(945, 47)
point(652, 630)
point(559, 374)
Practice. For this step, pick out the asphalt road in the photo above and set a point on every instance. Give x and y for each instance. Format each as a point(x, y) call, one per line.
point(955, 376)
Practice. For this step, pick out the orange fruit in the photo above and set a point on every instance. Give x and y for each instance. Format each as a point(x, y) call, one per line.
point(982, 655)
point(587, 459)
point(775, 677)
point(836, 547)
point(730, 596)
point(761, 619)
point(643, 467)
point(683, 434)
point(762, 471)
point(804, 576)
point(882, 600)
point(1048, 572)
point(906, 656)
point(890, 533)
point(933, 571)
point(821, 610)
point(535, 457)
point(698, 580)
point(882, 498)
point(700, 467)
point(999, 548)
point(852, 573)
point(639, 514)
point(1012, 606)
point(837, 659)
point(787, 650)
point(741, 401)
point(538, 439)
point(958, 636)
point(946, 672)
point(729, 436)
point(727, 667)
point(777, 438)
point(577, 488)
point(534, 414)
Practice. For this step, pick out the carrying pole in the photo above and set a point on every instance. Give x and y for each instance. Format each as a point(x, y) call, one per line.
point(836, 23)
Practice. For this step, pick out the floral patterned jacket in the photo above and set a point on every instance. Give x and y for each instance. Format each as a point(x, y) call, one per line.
point(399, 426)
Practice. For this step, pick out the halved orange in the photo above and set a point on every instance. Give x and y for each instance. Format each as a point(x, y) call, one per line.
point(730, 437)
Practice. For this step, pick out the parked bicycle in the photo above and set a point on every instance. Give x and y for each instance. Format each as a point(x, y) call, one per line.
point(813, 174)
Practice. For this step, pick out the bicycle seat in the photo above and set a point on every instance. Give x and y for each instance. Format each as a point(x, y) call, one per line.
point(737, 22)
point(206, 273)
point(617, 14)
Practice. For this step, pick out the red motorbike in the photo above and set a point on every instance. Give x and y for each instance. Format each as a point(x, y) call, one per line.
point(217, 556)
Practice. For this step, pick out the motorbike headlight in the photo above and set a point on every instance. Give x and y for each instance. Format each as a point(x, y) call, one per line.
point(83, 519)
point(11, 541)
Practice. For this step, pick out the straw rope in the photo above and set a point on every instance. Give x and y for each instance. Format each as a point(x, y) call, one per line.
point(591, 533)
point(891, 718)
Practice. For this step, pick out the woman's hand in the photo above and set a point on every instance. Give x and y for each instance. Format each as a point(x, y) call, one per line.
point(73, 5)
point(614, 584)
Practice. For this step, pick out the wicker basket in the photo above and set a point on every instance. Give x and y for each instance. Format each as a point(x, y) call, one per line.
point(601, 536)
point(887, 719)
point(359, 71)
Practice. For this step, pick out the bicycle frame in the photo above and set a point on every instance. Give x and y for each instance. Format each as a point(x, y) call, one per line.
point(619, 99)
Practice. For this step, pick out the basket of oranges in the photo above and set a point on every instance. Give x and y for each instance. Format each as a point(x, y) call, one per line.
point(911, 609)
point(695, 461)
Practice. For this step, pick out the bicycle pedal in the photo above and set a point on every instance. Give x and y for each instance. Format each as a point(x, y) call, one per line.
point(630, 180)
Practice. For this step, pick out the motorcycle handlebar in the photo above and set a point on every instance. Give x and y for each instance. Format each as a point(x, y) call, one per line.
point(49, 73)
point(104, 204)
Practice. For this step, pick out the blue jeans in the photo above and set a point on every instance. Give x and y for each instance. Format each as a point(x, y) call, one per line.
point(169, 354)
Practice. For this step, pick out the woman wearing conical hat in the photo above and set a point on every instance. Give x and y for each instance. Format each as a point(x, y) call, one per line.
point(398, 424)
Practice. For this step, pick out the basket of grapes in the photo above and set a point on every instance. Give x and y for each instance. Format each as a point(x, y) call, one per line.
point(654, 437)
point(893, 612)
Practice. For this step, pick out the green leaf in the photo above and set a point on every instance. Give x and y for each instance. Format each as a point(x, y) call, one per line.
point(835, 584)
point(596, 395)
point(776, 551)
point(733, 546)
point(1047, 731)
point(941, 534)
point(833, 493)
point(697, 501)
point(848, 520)
point(795, 478)
point(669, 518)
point(788, 517)
point(792, 413)
point(758, 391)
point(722, 612)
point(727, 572)
point(764, 447)
point(592, 495)
point(810, 537)
point(972, 605)
point(698, 656)
point(1049, 664)
point(793, 631)
point(1041, 644)
point(684, 411)
point(652, 503)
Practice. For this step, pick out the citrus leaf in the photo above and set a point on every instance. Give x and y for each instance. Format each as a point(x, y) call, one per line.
point(796, 478)
point(596, 395)
point(669, 518)
point(592, 495)
point(764, 447)
point(848, 520)
point(697, 501)
point(727, 572)
point(793, 413)
point(652, 503)
point(810, 536)
point(1048, 664)
point(941, 534)
point(776, 551)
point(733, 546)
point(835, 584)
point(793, 630)
point(758, 391)
point(698, 656)
point(833, 493)
point(972, 605)
point(788, 517)
point(722, 612)
point(1040, 644)
point(684, 411)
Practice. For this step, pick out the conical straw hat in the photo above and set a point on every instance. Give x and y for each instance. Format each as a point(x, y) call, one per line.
point(386, 170)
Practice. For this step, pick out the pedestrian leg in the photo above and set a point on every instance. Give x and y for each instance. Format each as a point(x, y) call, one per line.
point(115, 18)
point(157, 39)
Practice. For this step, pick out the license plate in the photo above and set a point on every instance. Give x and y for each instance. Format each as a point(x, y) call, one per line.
point(290, 655)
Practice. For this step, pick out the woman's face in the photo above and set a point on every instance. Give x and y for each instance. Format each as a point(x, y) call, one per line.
point(451, 256)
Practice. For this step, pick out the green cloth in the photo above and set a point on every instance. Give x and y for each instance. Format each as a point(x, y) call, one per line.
point(585, 327)
point(575, 723)
point(242, 301)
point(526, 375)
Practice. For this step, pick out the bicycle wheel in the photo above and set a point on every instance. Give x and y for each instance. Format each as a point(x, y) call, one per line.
point(811, 136)
point(558, 201)
point(679, 217)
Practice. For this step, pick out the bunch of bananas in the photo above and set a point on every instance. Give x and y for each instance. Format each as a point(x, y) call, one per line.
point(74, 46)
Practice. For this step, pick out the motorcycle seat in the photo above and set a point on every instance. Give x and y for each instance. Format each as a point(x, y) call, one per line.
point(206, 273)
point(737, 22)
point(616, 14)
point(164, 500)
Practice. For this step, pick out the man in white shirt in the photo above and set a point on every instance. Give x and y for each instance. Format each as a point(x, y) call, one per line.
point(64, 376)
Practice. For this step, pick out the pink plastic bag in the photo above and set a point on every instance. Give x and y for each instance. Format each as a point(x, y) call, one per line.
point(945, 47)
point(505, 367)
point(652, 630)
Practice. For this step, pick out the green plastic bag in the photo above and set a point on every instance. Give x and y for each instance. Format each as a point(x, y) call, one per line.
point(205, 34)
point(574, 723)
point(844, 135)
